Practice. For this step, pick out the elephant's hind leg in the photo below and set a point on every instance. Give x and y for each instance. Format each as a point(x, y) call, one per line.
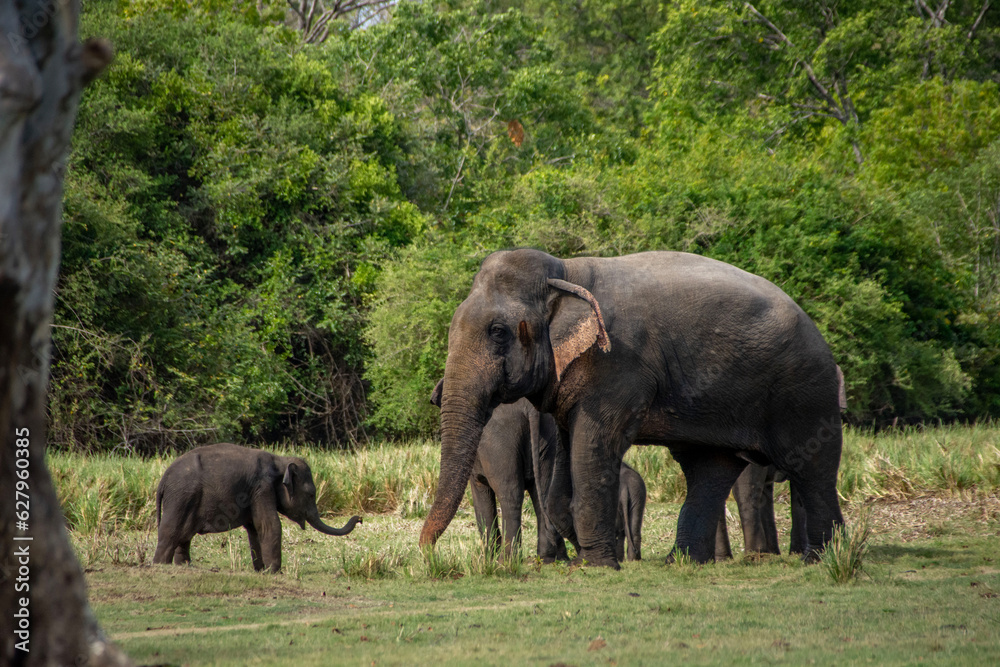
point(710, 474)
point(811, 466)
point(169, 537)
point(799, 542)
point(182, 554)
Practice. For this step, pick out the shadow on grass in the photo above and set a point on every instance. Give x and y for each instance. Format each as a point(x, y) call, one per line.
point(893, 552)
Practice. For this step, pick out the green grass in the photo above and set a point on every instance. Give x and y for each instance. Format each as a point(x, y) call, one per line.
point(925, 587)
point(930, 596)
point(114, 492)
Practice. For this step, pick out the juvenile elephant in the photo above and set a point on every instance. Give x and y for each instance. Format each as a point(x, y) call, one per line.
point(518, 452)
point(666, 348)
point(504, 468)
point(217, 488)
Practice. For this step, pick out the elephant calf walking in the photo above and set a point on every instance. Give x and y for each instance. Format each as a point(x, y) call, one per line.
point(217, 488)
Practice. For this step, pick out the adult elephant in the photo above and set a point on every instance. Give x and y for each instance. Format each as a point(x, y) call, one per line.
point(666, 348)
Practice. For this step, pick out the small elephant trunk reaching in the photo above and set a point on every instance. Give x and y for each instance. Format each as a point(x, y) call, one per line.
point(318, 524)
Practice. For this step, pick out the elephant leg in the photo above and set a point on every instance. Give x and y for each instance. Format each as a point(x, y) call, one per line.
point(168, 538)
point(182, 554)
point(268, 527)
point(710, 475)
point(723, 550)
point(620, 528)
point(255, 552)
point(754, 492)
point(811, 464)
point(800, 539)
point(511, 503)
point(595, 463)
point(822, 510)
point(551, 546)
point(559, 502)
point(484, 502)
point(768, 527)
point(165, 547)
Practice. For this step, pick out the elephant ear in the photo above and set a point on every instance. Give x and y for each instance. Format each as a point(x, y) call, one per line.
point(288, 480)
point(576, 324)
point(436, 394)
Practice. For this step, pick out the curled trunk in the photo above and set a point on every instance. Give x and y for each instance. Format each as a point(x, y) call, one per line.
point(318, 524)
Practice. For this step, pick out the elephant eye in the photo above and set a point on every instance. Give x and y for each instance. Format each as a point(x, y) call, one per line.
point(498, 333)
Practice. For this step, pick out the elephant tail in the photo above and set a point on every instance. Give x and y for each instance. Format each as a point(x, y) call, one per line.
point(159, 501)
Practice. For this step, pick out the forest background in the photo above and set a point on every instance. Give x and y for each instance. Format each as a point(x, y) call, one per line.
point(271, 215)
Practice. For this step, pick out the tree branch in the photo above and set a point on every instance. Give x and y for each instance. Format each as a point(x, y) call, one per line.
point(972, 30)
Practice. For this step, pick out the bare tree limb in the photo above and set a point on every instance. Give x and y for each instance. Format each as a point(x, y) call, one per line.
point(975, 25)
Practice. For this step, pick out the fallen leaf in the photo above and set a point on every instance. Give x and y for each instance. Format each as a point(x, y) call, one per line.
point(597, 644)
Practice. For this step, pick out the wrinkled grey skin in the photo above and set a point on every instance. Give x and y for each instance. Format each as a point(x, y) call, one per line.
point(754, 493)
point(557, 498)
point(666, 348)
point(217, 488)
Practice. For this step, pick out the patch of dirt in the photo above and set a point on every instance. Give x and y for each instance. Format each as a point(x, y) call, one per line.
point(930, 516)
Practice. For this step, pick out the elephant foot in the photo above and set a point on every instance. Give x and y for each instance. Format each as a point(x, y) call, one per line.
point(595, 559)
point(812, 555)
point(558, 558)
point(694, 557)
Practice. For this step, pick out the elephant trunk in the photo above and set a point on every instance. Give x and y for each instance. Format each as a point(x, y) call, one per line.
point(318, 524)
point(462, 422)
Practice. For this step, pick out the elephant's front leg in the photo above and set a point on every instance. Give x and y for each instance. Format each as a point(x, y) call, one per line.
point(551, 546)
point(268, 529)
point(559, 498)
point(255, 553)
point(710, 473)
point(595, 465)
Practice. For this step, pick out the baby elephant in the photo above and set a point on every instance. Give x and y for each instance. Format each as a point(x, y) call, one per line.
point(217, 488)
point(505, 467)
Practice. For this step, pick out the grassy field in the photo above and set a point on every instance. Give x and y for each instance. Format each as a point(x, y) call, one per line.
point(929, 591)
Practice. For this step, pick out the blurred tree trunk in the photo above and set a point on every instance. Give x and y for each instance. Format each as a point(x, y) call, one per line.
point(42, 71)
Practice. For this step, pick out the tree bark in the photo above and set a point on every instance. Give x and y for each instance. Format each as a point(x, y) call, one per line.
point(46, 619)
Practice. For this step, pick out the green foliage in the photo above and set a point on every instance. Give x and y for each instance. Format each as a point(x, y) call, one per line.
point(266, 239)
point(225, 204)
point(408, 332)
